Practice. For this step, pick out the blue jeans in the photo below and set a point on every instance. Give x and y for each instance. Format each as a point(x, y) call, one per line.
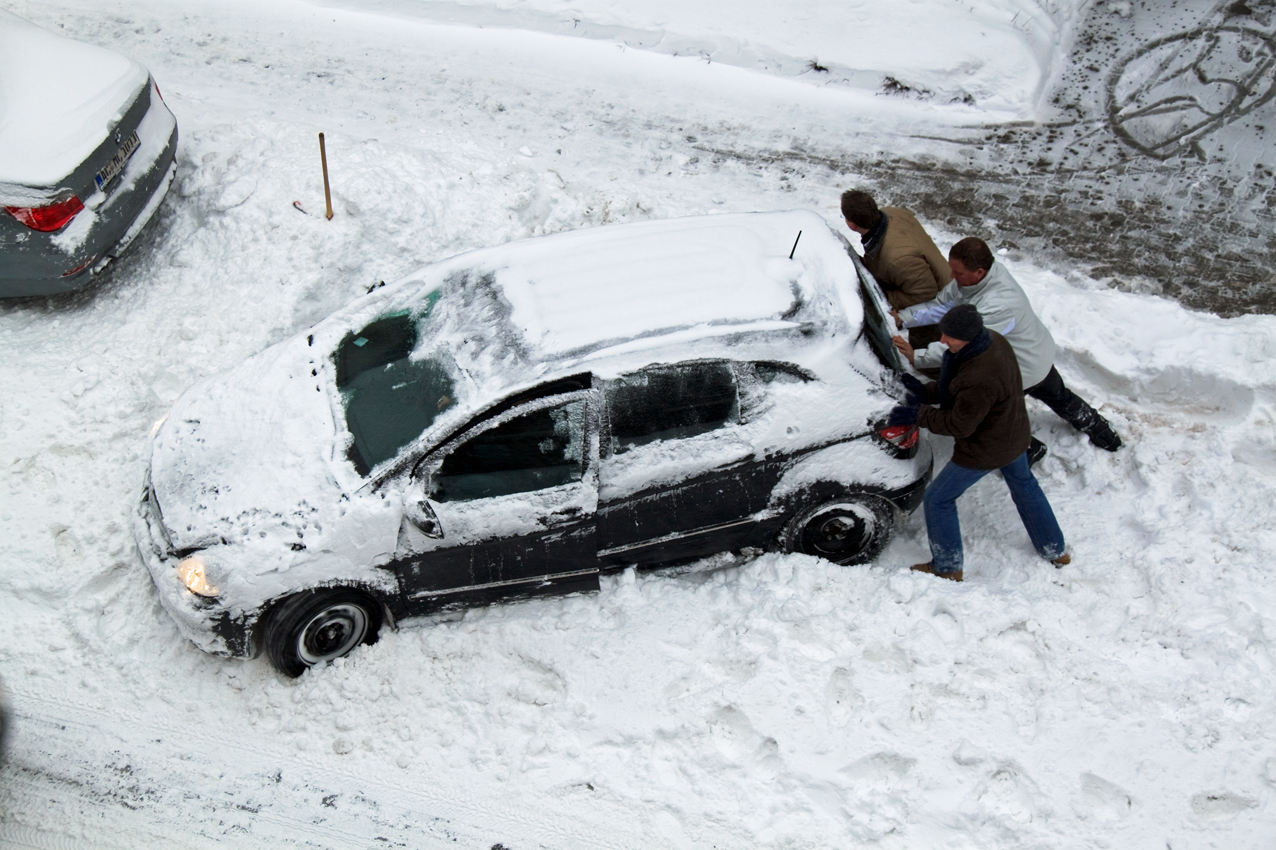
point(941, 512)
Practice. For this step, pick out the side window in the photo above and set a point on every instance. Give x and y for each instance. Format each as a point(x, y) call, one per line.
point(543, 448)
point(671, 402)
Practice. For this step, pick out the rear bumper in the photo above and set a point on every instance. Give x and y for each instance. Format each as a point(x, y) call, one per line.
point(909, 499)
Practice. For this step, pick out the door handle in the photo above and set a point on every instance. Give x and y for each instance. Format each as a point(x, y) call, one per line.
point(565, 515)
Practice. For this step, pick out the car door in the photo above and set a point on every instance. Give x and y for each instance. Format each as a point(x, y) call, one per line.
point(506, 509)
point(679, 479)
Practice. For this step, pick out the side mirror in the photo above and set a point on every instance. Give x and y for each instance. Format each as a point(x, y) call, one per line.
point(422, 516)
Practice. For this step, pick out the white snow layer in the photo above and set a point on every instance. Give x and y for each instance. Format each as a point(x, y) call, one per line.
point(58, 98)
point(1124, 701)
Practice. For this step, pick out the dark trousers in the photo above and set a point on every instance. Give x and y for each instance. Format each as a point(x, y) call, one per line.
point(1064, 402)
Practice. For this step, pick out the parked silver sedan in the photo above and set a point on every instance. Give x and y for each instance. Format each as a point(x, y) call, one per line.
point(87, 153)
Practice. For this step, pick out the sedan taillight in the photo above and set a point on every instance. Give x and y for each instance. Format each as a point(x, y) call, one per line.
point(53, 216)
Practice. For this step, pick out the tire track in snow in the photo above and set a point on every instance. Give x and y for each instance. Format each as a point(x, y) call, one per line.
point(351, 808)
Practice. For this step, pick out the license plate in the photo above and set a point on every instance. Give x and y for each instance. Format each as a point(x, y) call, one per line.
point(113, 168)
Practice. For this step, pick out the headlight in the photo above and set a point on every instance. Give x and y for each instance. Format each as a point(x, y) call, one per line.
point(191, 572)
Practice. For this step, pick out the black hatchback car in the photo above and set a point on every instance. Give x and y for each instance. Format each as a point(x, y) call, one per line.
point(87, 151)
point(522, 419)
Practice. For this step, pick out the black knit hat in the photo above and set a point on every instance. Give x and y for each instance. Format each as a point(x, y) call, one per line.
point(962, 322)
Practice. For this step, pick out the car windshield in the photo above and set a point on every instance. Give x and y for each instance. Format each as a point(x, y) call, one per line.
point(389, 398)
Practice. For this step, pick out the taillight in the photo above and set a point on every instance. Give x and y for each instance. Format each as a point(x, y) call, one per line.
point(157, 91)
point(51, 217)
point(899, 436)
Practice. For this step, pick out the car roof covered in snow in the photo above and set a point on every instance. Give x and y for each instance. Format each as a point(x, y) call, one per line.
point(610, 298)
point(58, 99)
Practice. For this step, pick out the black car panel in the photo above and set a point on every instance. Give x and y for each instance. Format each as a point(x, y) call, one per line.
point(510, 503)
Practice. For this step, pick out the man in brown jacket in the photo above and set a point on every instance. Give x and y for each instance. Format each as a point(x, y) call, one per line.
point(981, 406)
point(900, 254)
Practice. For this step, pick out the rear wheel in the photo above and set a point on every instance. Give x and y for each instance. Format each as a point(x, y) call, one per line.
point(852, 530)
point(318, 626)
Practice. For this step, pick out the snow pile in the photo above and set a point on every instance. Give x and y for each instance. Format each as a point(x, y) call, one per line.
point(999, 55)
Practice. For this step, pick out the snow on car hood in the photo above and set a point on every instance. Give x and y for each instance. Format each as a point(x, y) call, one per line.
point(247, 450)
point(58, 99)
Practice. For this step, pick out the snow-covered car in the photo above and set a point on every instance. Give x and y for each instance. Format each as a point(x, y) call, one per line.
point(520, 419)
point(87, 152)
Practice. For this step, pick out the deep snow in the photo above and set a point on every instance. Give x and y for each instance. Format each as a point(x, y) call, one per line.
point(1124, 701)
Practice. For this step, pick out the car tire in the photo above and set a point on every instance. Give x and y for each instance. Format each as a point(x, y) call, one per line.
point(850, 530)
point(319, 626)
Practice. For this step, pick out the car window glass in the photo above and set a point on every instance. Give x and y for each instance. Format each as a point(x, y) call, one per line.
point(669, 403)
point(756, 379)
point(543, 448)
point(389, 399)
point(877, 327)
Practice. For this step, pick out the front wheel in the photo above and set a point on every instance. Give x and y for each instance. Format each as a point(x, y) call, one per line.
point(853, 530)
point(319, 625)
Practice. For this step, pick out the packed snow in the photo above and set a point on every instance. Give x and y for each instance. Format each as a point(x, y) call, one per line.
point(758, 701)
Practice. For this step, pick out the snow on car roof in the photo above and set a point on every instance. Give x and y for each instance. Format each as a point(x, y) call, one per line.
point(58, 99)
point(581, 290)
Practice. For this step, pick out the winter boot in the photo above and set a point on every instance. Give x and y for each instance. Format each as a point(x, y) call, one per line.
point(1102, 435)
point(1036, 451)
point(927, 567)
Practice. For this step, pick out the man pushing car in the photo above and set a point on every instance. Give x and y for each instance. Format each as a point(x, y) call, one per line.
point(979, 280)
point(980, 405)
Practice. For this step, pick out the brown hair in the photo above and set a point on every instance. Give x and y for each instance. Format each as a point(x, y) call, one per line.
point(973, 253)
point(860, 209)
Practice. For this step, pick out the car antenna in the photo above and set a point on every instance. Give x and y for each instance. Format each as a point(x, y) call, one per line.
point(795, 241)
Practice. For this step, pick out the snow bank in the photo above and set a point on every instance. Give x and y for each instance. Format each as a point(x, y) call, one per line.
point(998, 55)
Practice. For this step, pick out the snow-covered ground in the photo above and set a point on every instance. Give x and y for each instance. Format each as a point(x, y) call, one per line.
point(1125, 701)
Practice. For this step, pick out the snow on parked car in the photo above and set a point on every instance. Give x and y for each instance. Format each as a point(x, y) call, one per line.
point(519, 419)
point(87, 151)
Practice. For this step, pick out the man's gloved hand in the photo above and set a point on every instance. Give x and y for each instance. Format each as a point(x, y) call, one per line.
point(904, 414)
point(913, 385)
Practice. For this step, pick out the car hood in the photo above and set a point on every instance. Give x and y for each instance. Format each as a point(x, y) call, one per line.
point(58, 100)
point(248, 449)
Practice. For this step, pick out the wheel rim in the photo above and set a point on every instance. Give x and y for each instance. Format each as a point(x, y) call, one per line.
point(839, 532)
point(332, 633)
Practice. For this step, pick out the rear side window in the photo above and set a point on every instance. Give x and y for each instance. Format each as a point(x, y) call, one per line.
point(540, 449)
point(390, 400)
point(670, 403)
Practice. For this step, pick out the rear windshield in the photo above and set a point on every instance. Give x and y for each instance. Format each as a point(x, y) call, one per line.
point(877, 326)
point(390, 399)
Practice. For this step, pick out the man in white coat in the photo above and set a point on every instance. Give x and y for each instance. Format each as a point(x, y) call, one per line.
point(980, 280)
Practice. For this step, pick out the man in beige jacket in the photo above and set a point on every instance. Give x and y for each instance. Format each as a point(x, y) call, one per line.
point(900, 254)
